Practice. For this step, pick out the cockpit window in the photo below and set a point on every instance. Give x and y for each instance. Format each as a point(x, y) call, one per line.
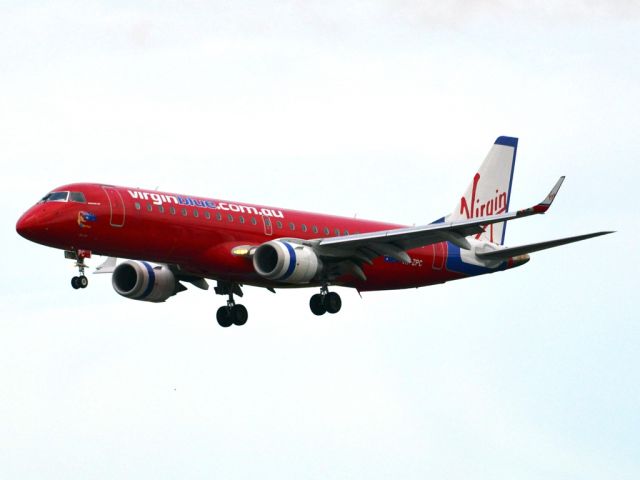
point(55, 197)
point(77, 197)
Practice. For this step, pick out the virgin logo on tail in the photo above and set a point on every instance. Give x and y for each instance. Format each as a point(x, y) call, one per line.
point(477, 207)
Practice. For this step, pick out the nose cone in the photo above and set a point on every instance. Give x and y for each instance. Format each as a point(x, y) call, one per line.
point(26, 225)
point(46, 225)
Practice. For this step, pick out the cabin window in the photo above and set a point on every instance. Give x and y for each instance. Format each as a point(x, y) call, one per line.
point(161, 208)
point(172, 210)
point(137, 205)
point(241, 219)
point(230, 217)
point(279, 224)
point(303, 227)
point(149, 207)
point(267, 221)
point(314, 229)
point(183, 212)
point(254, 221)
point(337, 232)
point(77, 197)
point(207, 215)
point(195, 212)
point(326, 230)
point(292, 226)
point(219, 216)
point(346, 232)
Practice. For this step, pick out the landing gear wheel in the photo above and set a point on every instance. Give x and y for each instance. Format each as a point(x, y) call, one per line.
point(231, 314)
point(79, 255)
point(239, 314)
point(332, 302)
point(317, 304)
point(224, 317)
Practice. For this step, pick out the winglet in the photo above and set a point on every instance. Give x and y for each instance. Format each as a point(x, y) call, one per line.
point(546, 203)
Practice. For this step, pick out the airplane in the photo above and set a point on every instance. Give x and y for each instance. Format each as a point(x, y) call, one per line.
point(173, 239)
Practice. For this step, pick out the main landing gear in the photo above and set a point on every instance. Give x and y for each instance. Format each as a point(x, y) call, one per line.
point(325, 302)
point(232, 314)
point(81, 281)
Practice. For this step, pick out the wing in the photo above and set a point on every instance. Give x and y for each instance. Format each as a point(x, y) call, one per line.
point(505, 253)
point(364, 247)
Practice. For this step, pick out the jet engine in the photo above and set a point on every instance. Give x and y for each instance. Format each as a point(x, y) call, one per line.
point(144, 281)
point(287, 262)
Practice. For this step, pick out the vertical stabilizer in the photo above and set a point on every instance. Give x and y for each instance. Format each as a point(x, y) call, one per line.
point(490, 189)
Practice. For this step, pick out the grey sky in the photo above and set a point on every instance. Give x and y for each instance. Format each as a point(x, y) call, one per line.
point(381, 109)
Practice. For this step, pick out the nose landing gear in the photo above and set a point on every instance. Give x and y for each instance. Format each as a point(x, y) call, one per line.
point(325, 302)
point(81, 281)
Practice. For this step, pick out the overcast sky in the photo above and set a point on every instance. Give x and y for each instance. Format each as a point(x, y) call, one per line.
point(380, 109)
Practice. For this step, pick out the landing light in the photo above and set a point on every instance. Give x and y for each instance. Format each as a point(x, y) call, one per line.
point(243, 251)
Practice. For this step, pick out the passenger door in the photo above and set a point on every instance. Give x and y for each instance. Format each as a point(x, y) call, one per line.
point(116, 205)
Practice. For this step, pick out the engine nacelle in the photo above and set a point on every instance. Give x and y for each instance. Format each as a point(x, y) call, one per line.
point(287, 262)
point(144, 281)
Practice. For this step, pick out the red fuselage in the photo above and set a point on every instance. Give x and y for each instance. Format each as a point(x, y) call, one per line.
point(198, 235)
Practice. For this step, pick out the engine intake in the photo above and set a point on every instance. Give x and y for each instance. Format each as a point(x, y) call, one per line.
point(286, 262)
point(144, 281)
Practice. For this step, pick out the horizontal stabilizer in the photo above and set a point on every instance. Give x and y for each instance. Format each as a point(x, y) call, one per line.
point(506, 253)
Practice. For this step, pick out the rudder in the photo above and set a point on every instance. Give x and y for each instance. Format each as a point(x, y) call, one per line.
point(489, 192)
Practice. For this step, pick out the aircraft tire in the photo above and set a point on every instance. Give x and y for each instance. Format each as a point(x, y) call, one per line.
point(75, 283)
point(239, 314)
point(83, 281)
point(332, 302)
point(223, 315)
point(317, 305)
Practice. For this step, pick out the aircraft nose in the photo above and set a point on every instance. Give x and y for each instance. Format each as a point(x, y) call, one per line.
point(26, 225)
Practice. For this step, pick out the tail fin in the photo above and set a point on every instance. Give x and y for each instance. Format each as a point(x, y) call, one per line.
point(490, 190)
